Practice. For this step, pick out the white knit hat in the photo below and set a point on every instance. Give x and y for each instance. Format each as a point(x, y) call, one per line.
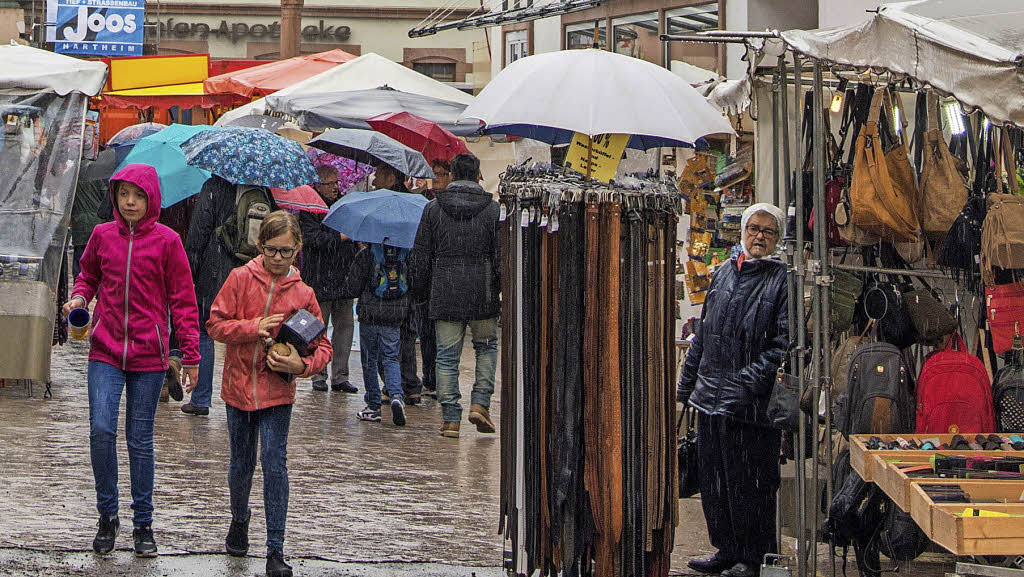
point(753, 209)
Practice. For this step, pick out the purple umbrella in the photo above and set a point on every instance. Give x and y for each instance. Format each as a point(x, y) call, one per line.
point(349, 171)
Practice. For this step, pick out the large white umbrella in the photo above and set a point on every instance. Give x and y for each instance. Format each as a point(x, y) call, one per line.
point(549, 96)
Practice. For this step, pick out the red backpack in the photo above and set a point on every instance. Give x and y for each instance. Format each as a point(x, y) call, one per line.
point(954, 394)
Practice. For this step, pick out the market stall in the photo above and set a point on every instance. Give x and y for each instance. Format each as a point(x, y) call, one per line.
point(43, 100)
point(268, 78)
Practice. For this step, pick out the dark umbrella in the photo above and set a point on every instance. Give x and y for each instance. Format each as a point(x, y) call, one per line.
point(271, 123)
point(100, 169)
point(371, 147)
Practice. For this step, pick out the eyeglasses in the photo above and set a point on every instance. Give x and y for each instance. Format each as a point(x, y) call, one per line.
point(329, 183)
point(284, 251)
point(769, 233)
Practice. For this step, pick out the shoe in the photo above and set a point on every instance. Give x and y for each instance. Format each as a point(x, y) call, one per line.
point(145, 546)
point(368, 414)
point(319, 385)
point(481, 417)
point(713, 564)
point(276, 567)
point(413, 399)
point(164, 394)
point(172, 382)
point(190, 409)
point(741, 570)
point(344, 387)
point(429, 391)
point(237, 542)
point(398, 412)
point(450, 429)
point(385, 398)
point(109, 527)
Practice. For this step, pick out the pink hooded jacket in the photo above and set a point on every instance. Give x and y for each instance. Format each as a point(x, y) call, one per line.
point(139, 277)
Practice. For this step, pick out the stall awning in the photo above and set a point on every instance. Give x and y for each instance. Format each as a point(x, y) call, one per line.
point(971, 50)
point(273, 76)
point(27, 70)
point(182, 95)
point(496, 13)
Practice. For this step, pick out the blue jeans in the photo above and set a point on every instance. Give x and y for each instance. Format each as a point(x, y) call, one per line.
point(379, 344)
point(450, 335)
point(268, 429)
point(105, 385)
point(203, 393)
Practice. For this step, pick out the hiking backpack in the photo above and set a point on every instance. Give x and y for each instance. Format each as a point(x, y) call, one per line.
point(880, 392)
point(954, 394)
point(1008, 392)
point(389, 271)
point(241, 232)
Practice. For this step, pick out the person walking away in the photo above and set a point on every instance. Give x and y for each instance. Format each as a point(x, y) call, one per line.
point(215, 217)
point(249, 309)
point(457, 269)
point(137, 270)
point(378, 274)
point(424, 325)
point(728, 376)
point(327, 256)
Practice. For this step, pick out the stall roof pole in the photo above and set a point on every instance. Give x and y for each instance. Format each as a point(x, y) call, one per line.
point(798, 254)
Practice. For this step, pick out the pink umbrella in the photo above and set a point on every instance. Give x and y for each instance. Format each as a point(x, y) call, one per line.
point(303, 198)
point(349, 171)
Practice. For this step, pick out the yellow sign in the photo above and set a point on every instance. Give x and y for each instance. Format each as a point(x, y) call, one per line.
point(147, 71)
point(598, 157)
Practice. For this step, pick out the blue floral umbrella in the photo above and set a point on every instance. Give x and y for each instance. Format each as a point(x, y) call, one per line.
point(250, 156)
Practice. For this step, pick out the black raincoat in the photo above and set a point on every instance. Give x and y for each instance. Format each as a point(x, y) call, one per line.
point(371, 309)
point(210, 260)
point(325, 258)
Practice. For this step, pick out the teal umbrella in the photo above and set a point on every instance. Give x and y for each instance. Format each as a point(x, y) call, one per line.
point(162, 150)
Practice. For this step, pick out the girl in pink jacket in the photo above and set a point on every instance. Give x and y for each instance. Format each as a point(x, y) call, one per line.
point(138, 272)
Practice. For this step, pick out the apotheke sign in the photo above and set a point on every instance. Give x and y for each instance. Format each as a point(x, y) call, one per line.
point(235, 31)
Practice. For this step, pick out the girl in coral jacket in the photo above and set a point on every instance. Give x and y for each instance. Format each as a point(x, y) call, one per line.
point(249, 310)
point(138, 272)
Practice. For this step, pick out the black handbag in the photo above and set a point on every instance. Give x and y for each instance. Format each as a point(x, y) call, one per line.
point(783, 406)
point(885, 303)
point(686, 454)
point(932, 320)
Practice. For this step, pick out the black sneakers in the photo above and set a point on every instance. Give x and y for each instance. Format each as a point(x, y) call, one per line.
point(109, 527)
point(145, 546)
point(276, 567)
point(319, 385)
point(344, 387)
point(190, 409)
point(237, 543)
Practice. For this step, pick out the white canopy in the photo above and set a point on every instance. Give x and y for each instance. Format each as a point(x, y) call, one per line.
point(26, 70)
point(366, 72)
point(971, 50)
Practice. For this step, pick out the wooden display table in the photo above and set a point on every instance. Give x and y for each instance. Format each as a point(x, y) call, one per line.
point(943, 522)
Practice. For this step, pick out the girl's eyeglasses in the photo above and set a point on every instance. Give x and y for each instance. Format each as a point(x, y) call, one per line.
point(284, 251)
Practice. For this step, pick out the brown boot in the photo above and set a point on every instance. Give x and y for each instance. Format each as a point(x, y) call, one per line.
point(164, 395)
point(481, 417)
point(450, 429)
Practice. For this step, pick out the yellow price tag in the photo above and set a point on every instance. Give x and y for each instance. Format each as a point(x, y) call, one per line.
point(599, 157)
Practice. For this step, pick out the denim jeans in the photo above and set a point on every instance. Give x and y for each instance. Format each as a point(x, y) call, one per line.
point(105, 385)
point(450, 335)
point(203, 393)
point(268, 429)
point(379, 344)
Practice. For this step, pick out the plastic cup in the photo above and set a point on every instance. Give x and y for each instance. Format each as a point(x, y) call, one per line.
point(78, 323)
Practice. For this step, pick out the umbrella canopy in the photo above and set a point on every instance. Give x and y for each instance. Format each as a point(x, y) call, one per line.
point(271, 123)
point(302, 198)
point(268, 78)
point(250, 156)
point(291, 133)
point(550, 96)
point(352, 108)
point(162, 150)
point(371, 147)
point(378, 216)
point(349, 171)
point(430, 139)
point(134, 132)
point(100, 169)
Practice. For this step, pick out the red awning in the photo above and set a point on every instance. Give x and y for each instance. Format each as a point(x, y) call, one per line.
point(181, 95)
point(263, 80)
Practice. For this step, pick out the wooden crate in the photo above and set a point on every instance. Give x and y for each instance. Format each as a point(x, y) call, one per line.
point(861, 461)
point(924, 510)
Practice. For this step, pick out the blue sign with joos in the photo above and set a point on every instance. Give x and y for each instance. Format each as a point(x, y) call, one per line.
point(100, 27)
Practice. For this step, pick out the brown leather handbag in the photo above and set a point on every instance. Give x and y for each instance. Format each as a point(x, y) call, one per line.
point(883, 194)
point(943, 179)
point(1002, 236)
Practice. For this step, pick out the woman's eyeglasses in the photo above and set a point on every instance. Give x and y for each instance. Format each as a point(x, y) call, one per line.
point(769, 233)
point(284, 251)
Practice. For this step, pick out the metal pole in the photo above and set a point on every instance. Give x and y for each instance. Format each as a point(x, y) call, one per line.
point(776, 136)
point(786, 175)
point(798, 326)
point(821, 292)
point(788, 248)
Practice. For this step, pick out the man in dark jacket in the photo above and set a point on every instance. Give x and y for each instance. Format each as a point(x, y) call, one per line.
point(211, 263)
point(326, 257)
point(728, 377)
point(457, 266)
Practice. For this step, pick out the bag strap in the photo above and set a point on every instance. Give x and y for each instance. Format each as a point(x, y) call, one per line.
point(1010, 162)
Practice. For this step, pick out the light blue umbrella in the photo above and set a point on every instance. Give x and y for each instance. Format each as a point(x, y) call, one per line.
point(162, 150)
point(378, 216)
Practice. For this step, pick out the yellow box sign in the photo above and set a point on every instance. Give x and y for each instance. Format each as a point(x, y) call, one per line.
point(599, 156)
point(144, 72)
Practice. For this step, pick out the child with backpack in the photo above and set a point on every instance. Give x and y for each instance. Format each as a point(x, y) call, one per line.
point(378, 274)
point(246, 315)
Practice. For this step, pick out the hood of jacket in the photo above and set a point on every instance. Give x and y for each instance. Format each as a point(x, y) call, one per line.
point(463, 199)
point(261, 274)
point(145, 177)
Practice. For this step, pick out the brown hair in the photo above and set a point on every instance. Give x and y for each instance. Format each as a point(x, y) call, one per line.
point(278, 223)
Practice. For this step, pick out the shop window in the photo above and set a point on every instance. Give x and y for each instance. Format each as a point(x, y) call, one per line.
point(689, 20)
point(515, 4)
point(440, 71)
point(516, 46)
point(582, 35)
point(637, 36)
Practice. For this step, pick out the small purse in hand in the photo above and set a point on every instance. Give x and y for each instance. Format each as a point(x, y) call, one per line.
point(783, 405)
point(686, 454)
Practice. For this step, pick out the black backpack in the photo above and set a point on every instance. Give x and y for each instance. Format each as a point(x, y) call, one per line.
point(900, 538)
point(1008, 395)
point(881, 398)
